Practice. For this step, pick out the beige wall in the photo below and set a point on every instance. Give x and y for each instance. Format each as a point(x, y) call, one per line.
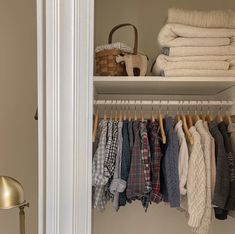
point(148, 16)
point(18, 129)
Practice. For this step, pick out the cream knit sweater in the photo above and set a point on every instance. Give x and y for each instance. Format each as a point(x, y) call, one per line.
point(206, 147)
point(196, 182)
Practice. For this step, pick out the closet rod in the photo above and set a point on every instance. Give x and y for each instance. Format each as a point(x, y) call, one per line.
point(163, 102)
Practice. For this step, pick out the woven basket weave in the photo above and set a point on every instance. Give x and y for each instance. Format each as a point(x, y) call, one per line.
point(106, 64)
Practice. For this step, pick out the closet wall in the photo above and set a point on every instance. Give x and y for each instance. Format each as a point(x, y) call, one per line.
point(148, 16)
point(18, 102)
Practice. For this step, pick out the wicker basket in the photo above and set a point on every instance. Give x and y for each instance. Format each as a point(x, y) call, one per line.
point(106, 59)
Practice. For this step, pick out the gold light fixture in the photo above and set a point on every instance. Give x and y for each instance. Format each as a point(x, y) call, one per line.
point(12, 196)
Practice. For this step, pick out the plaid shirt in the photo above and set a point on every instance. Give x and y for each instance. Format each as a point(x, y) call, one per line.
point(156, 155)
point(136, 179)
point(111, 149)
point(146, 156)
point(98, 179)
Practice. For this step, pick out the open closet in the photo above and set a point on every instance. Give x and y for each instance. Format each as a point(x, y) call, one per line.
point(144, 96)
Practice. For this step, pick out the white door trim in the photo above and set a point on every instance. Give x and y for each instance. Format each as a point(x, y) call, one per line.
point(69, 37)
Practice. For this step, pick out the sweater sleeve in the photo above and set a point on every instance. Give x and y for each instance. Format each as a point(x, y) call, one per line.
point(196, 184)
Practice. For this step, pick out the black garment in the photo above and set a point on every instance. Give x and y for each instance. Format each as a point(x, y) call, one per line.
point(126, 161)
point(230, 204)
point(222, 184)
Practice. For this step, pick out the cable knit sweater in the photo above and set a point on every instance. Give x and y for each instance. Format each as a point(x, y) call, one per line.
point(196, 182)
point(213, 161)
point(206, 146)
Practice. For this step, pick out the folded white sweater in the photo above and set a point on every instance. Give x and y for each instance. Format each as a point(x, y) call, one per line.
point(207, 19)
point(199, 51)
point(178, 35)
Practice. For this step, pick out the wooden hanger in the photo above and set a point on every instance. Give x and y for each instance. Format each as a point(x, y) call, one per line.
point(120, 115)
point(177, 117)
point(142, 114)
point(129, 115)
point(196, 117)
point(162, 130)
point(152, 114)
point(95, 125)
point(188, 135)
point(209, 117)
point(189, 120)
point(228, 119)
point(219, 117)
point(135, 115)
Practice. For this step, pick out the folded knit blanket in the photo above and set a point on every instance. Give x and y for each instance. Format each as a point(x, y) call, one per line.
point(178, 35)
point(166, 63)
point(198, 73)
point(207, 19)
point(199, 51)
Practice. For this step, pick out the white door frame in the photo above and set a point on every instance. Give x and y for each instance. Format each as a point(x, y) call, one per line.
point(65, 93)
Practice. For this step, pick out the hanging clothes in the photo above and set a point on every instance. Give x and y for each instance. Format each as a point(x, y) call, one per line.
point(206, 147)
point(146, 158)
point(169, 166)
point(98, 179)
point(230, 204)
point(183, 158)
point(126, 160)
point(118, 185)
point(222, 173)
point(231, 131)
point(156, 156)
point(213, 163)
point(136, 181)
point(196, 181)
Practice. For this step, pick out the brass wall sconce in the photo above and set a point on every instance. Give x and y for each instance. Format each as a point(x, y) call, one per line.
point(12, 196)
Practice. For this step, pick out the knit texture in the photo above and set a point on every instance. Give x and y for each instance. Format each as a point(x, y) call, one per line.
point(206, 147)
point(213, 162)
point(196, 182)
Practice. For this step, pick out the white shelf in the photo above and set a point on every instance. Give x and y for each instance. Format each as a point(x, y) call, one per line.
point(154, 85)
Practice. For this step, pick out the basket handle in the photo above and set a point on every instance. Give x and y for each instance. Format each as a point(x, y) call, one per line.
point(123, 25)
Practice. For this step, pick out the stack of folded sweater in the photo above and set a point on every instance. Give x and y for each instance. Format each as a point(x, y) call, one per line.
point(197, 43)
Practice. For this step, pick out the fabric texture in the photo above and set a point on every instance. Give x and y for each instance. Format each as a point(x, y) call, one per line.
point(179, 35)
point(213, 161)
point(136, 180)
point(118, 185)
point(168, 63)
point(198, 73)
point(183, 158)
point(206, 147)
point(98, 179)
point(156, 156)
point(126, 161)
point(115, 45)
point(230, 204)
point(111, 149)
point(231, 131)
point(169, 166)
point(199, 51)
point(222, 185)
point(196, 182)
point(206, 19)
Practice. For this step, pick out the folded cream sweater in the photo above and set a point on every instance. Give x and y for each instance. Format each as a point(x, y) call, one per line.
point(207, 19)
point(196, 181)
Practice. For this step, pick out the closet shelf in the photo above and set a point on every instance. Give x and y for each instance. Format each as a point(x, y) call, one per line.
point(155, 85)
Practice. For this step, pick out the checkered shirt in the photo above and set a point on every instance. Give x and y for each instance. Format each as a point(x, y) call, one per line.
point(98, 179)
point(156, 155)
point(136, 179)
point(111, 149)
